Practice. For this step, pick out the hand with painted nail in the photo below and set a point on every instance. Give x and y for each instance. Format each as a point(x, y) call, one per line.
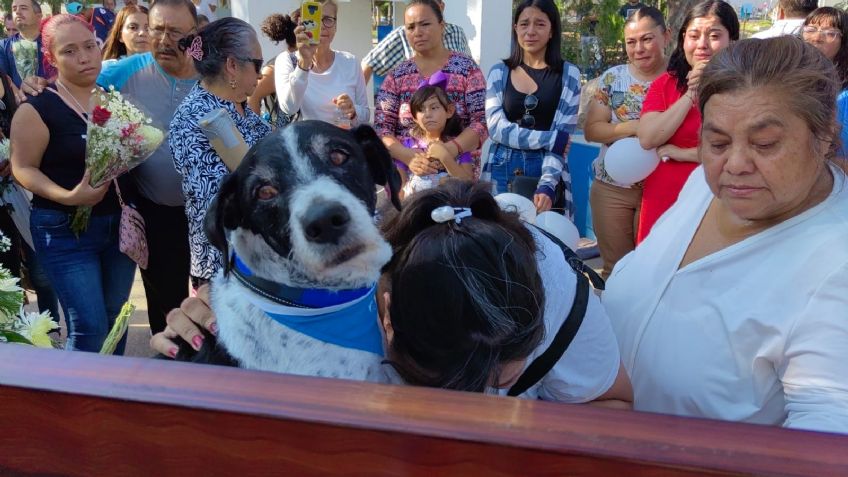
point(186, 322)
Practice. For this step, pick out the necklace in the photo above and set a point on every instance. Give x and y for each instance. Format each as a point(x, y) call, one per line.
point(81, 109)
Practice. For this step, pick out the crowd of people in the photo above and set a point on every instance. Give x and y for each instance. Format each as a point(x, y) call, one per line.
point(727, 267)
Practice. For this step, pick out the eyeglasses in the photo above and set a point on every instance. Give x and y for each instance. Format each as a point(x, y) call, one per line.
point(257, 63)
point(173, 35)
point(530, 103)
point(328, 22)
point(829, 33)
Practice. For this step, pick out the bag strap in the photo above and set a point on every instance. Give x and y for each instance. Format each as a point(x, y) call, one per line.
point(118, 193)
point(548, 359)
point(543, 363)
point(575, 262)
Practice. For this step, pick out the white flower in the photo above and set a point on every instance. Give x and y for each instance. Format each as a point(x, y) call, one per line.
point(36, 326)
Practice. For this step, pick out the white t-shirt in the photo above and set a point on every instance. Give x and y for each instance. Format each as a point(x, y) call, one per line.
point(756, 332)
point(312, 93)
point(590, 364)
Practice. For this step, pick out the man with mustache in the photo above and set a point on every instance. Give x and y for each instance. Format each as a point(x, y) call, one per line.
point(158, 81)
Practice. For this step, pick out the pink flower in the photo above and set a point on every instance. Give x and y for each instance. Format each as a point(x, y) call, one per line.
point(100, 115)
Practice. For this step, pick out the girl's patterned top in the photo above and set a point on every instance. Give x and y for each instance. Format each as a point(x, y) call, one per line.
point(202, 169)
point(466, 88)
point(623, 94)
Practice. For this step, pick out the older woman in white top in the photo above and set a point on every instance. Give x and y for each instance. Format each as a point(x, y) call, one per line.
point(736, 306)
point(321, 83)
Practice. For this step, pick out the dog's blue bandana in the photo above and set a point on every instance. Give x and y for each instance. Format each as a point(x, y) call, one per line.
point(345, 318)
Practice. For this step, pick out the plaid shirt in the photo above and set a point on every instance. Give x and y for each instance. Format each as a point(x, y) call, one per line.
point(395, 48)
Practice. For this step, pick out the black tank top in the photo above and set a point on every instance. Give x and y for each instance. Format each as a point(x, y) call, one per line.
point(64, 159)
point(548, 92)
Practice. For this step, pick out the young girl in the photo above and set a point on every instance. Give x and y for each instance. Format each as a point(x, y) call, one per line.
point(436, 123)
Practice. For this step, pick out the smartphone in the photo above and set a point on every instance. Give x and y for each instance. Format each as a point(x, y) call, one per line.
point(310, 18)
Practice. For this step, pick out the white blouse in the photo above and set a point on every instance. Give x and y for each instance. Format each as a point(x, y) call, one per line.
point(312, 93)
point(756, 332)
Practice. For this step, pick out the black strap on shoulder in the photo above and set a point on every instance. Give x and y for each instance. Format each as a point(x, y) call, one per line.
point(574, 261)
point(568, 330)
point(546, 361)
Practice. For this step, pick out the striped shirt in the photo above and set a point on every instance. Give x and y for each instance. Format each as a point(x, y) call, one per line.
point(395, 48)
point(505, 133)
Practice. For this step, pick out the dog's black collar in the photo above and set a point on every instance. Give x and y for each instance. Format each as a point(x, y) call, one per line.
point(292, 296)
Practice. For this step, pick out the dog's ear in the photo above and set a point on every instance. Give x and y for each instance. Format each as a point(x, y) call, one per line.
point(223, 214)
point(380, 163)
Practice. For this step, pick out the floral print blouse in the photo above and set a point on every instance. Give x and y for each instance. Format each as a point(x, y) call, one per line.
point(203, 170)
point(623, 94)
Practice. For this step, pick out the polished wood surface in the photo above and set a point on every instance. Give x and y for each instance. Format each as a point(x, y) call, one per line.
point(83, 414)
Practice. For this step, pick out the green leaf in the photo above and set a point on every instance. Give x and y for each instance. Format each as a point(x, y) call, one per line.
point(13, 337)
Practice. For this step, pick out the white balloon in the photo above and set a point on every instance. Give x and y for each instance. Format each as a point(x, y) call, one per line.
point(511, 202)
point(560, 227)
point(627, 163)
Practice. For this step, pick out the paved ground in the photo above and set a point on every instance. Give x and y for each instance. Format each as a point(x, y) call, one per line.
point(139, 330)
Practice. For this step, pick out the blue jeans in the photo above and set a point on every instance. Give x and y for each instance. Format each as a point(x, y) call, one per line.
point(90, 274)
point(505, 161)
point(44, 293)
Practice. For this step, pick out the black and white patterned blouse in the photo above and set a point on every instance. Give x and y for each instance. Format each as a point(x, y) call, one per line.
point(202, 169)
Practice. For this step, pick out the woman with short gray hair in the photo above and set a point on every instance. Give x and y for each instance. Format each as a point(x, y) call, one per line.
point(228, 57)
point(734, 306)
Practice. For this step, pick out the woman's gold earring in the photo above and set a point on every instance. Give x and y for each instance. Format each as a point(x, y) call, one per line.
point(233, 84)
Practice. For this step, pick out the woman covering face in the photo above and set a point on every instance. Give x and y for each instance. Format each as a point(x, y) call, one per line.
point(670, 119)
point(734, 307)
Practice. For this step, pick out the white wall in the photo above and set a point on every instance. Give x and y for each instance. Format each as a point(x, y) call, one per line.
point(487, 25)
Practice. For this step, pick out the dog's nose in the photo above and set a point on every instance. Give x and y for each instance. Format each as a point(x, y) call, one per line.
point(325, 224)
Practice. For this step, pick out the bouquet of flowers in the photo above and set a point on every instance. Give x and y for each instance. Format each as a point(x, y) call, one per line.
point(16, 325)
point(120, 137)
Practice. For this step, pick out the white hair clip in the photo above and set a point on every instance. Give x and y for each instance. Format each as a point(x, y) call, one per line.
point(445, 213)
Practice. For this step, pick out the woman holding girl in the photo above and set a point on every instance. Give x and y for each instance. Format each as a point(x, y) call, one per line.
point(670, 120)
point(465, 88)
point(89, 273)
point(613, 115)
point(128, 35)
point(228, 58)
point(436, 123)
point(826, 28)
point(323, 84)
point(532, 99)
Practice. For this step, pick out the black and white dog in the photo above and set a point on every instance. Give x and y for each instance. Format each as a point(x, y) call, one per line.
point(296, 220)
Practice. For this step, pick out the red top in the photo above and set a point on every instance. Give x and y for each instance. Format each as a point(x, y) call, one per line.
point(662, 187)
point(662, 94)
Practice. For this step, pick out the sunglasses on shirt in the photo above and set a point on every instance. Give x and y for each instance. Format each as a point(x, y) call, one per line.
point(530, 103)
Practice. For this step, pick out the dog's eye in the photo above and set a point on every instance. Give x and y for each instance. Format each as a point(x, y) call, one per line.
point(338, 157)
point(266, 192)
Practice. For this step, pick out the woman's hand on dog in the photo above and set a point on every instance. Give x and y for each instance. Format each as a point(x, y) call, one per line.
point(185, 322)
